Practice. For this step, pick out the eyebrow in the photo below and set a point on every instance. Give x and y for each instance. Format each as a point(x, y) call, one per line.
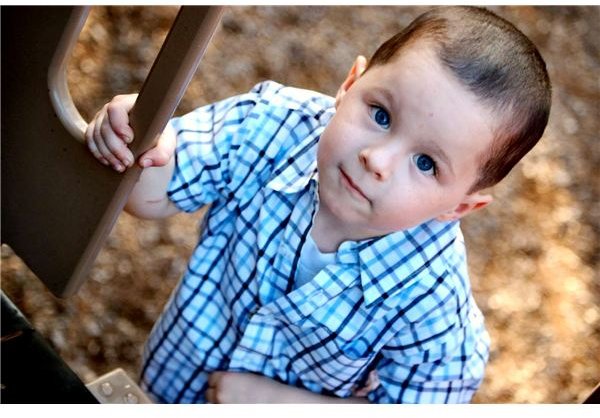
point(387, 94)
point(439, 153)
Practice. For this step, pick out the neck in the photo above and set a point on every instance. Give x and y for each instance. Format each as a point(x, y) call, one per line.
point(326, 232)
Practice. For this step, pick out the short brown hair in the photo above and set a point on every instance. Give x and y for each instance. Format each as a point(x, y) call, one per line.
point(496, 62)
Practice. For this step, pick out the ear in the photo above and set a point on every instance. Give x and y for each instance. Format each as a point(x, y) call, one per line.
point(471, 203)
point(359, 66)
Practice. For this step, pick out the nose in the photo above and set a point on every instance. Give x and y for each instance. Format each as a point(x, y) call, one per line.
point(379, 161)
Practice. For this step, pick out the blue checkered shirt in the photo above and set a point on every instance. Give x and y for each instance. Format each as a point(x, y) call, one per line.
point(393, 316)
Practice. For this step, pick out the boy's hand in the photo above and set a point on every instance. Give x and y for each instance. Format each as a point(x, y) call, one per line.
point(109, 134)
point(235, 387)
point(230, 387)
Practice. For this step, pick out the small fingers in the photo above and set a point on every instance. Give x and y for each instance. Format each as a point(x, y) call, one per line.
point(109, 133)
point(116, 146)
point(98, 150)
point(118, 115)
point(89, 140)
point(100, 139)
point(105, 144)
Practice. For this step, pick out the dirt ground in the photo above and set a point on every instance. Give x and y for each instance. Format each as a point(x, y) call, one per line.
point(534, 253)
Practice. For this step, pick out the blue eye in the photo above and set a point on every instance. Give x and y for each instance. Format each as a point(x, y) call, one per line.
point(425, 164)
point(380, 116)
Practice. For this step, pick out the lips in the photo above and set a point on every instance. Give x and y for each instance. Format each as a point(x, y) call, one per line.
point(351, 186)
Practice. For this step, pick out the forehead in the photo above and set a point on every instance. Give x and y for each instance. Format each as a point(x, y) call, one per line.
point(416, 69)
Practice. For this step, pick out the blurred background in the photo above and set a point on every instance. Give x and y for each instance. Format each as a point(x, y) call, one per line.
point(534, 253)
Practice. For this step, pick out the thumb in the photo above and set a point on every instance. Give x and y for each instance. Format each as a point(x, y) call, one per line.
point(162, 153)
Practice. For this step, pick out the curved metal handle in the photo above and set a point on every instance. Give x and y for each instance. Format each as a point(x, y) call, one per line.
point(165, 85)
point(58, 87)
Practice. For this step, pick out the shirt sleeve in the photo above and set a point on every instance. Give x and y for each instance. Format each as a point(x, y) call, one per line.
point(226, 148)
point(205, 137)
point(438, 360)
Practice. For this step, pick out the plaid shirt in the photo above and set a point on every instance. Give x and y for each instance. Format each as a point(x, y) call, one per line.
point(392, 317)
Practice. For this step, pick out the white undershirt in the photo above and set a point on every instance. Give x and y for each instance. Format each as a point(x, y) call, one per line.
point(312, 260)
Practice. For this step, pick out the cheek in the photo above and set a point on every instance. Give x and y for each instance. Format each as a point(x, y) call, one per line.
point(408, 206)
point(323, 153)
point(330, 145)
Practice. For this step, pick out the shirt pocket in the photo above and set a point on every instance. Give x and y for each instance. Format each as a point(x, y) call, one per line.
point(323, 352)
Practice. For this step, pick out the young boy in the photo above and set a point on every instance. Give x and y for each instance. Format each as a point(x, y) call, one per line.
point(331, 266)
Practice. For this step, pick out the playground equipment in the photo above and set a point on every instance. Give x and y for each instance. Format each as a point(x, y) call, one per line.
point(58, 203)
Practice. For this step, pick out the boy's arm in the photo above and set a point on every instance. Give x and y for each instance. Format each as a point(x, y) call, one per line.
point(148, 199)
point(107, 137)
point(233, 387)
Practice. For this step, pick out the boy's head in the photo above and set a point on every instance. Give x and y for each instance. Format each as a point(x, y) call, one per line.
point(443, 109)
point(496, 62)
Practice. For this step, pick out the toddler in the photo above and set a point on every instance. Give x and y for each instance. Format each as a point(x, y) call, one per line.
point(331, 266)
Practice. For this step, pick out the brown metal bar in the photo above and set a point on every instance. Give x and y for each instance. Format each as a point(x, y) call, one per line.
point(58, 203)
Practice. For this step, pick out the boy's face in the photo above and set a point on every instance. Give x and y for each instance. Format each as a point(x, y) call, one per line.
point(404, 147)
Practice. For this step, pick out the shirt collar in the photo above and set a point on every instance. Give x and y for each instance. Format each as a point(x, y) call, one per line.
point(295, 172)
point(393, 262)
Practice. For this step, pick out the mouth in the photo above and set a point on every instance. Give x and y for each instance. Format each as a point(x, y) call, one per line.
point(351, 186)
